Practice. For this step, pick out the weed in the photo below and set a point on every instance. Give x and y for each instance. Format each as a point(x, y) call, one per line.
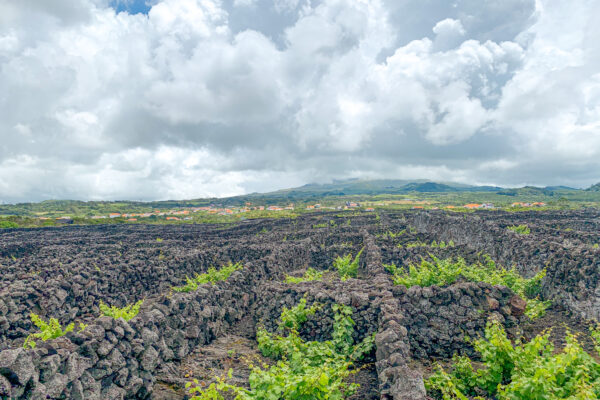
point(159, 240)
point(48, 330)
point(127, 312)
point(212, 276)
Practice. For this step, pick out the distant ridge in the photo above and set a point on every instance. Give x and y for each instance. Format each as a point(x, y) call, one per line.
point(594, 188)
point(316, 191)
point(372, 187)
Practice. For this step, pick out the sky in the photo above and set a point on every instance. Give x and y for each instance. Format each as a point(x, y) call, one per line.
point(180, 99)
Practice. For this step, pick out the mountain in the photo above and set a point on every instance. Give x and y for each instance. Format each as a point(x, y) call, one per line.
point(369, 187)
point(594, 188)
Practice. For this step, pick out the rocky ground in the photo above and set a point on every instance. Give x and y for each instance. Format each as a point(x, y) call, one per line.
point(66, 272)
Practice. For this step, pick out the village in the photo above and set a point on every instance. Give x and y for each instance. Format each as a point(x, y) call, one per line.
point(186, 214)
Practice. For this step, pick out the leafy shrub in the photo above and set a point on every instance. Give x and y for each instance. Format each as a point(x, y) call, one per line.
point(447, 271)
point(346, 266)
point(310, 275)
point(596, 246)
point(211, 276)
point(82, 327)
point(523, 371)
point(293, 317)
point(390, 234)
point(126, 312)
point(323, 225)
point(8, 224)
point(433, 245)
point(520, 229)
point(304, 370)
point(48, 330)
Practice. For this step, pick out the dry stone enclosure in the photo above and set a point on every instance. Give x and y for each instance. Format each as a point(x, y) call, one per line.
point(66, 272)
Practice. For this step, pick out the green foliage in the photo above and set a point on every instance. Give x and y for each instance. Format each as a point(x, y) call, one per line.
point(126, 312)
point(8, 224)
point(211, 276)
point(311, 274)
point(391, 235)
point(293, 317)
point(304, 370)
point(447, 271)
point(523, 371)
point(433, 245)
point(48, 330)
point(323, 225)
point(520, 229)
point(346, 266)
point(159, 240)
point(596, 246)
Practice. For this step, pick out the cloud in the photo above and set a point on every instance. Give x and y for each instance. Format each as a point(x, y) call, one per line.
point(219, 97)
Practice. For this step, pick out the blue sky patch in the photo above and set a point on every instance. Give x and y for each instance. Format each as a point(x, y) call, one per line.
point(131, 6)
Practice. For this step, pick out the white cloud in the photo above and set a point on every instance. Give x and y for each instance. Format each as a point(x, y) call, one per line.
point(177, 103)
point(449, 26)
